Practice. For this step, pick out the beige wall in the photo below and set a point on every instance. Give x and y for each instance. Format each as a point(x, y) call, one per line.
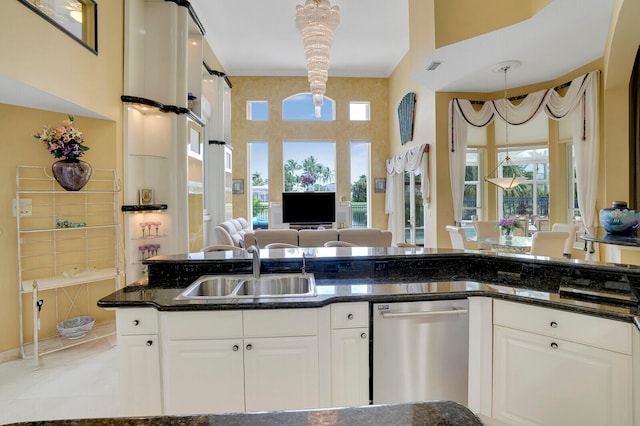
point(39, 55)
point(342, 130)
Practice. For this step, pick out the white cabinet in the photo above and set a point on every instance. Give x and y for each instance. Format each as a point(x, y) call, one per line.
point(281, 373)
point(349, 354)
point(240, 360)
point(556, 367)
point(139, 362)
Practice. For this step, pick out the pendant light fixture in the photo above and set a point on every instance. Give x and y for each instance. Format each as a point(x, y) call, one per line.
point(506, 164)
point(317, 21)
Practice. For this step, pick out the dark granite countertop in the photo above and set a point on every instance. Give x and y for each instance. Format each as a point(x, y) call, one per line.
point(398, 274)
point(442, 413)
point(618, 240)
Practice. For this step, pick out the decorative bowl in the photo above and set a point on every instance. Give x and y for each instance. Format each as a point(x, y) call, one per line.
point(74, 328)
point(620, 221)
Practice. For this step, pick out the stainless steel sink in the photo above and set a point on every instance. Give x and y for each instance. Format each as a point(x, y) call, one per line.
point(217, 287)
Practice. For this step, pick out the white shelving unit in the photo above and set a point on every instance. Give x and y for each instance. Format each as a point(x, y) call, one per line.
point(163, 131)
point(66, 241)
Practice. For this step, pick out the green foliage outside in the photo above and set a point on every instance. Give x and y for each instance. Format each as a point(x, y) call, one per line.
point(294, 171)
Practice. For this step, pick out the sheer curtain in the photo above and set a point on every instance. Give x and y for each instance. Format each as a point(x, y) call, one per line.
point(412, 160)
point(582, 95)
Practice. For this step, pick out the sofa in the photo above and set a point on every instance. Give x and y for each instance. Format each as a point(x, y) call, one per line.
point(365, 237)
point(232, 232)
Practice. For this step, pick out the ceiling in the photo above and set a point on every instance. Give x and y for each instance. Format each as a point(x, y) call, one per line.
point(259, 38)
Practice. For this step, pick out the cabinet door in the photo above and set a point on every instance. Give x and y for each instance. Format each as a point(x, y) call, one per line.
point(139, 367)
point(350, 367)
point(543, 380)
point(203, 376)
point(281, 373)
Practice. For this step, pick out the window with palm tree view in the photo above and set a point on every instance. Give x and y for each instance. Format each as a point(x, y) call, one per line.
point(309, 166)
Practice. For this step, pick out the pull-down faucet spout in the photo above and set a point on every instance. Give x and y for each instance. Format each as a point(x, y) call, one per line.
point(256, 260)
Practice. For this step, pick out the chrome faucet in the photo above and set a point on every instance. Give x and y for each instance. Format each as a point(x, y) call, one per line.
point(256, 260)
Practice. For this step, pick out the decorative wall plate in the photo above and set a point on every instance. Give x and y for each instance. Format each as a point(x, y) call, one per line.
point(406, 117)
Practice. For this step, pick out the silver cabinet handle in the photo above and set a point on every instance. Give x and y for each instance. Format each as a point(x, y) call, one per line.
point(249, 347)
point(149, 342)
point(235, 348)
point(553, 324)
point(554, 345)
point(136, 323)
point(350, 316)
point(363, 336)
point(453, 311)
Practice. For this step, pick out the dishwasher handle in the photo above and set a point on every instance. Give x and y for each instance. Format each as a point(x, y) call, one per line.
point(453, 311)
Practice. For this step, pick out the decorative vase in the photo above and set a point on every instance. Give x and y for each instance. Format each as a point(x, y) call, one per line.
point(507, 234)
point(71, 174)
point(620, 220)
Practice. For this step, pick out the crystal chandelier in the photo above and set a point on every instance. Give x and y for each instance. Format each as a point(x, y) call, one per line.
point(317, 20)
point(514, 180)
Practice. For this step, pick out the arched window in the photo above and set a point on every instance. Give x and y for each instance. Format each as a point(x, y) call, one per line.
point(300, 107)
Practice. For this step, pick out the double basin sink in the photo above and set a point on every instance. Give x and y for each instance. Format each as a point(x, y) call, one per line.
point(217, 287)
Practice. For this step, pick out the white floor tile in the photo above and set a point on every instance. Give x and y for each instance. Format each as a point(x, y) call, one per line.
point(79, 382)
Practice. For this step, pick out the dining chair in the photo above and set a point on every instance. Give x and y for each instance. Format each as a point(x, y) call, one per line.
point(458, 237)
point(339, 244)
point(220, 247)
point(486, 229)
point(571, 229)
point(280, 245)
point(548, 243)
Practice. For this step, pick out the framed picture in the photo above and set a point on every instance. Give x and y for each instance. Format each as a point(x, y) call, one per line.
point(237, 187)
point(76, 18)
point(380, 185)
point(146, 196)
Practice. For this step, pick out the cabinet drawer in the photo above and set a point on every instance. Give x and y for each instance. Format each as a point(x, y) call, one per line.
point(134, 321)
point(281, 322)
point(580, 328)
point(201, 325)
point(350, 315)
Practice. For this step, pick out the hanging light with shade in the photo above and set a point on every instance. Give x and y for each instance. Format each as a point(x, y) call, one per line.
point(317, 21)
point(506, 164)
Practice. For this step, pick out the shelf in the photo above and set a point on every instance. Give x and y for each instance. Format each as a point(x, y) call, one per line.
point(149, 156)
point(143, 207)
point(57, 343)
point(27, 231)
point(48, 283)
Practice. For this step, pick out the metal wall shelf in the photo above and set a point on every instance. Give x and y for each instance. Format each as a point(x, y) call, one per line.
point(65, 239)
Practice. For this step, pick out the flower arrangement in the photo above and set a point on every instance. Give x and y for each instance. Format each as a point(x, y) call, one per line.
point(65, 140)
point(307, 180)
point(508, 224)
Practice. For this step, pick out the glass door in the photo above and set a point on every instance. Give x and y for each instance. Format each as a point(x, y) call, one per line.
point(413, 209)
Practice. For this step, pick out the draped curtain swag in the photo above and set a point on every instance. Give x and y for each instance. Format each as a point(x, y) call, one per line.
point(582, 96)
point(413, 160)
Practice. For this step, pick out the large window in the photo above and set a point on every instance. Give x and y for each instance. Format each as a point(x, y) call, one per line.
point(472, 180)
point(309, 166)
point(259, 184)
point(301, 107)
point(360, 184)
point(532, 196)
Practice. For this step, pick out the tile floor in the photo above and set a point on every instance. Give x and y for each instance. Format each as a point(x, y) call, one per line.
point(79, 382)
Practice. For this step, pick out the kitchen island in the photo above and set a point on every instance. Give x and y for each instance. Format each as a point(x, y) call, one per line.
point(590, 311)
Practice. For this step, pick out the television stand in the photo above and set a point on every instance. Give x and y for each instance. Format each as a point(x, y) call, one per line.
point(299, 226)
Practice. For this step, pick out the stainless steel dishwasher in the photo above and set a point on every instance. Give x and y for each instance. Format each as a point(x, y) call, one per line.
point(420, 351)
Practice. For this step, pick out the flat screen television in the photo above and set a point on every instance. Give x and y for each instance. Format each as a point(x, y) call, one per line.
point(308, 207)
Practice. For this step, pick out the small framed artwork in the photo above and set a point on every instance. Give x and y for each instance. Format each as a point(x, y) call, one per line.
point(380, 185)
point(237, 187)
point(146, 196)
